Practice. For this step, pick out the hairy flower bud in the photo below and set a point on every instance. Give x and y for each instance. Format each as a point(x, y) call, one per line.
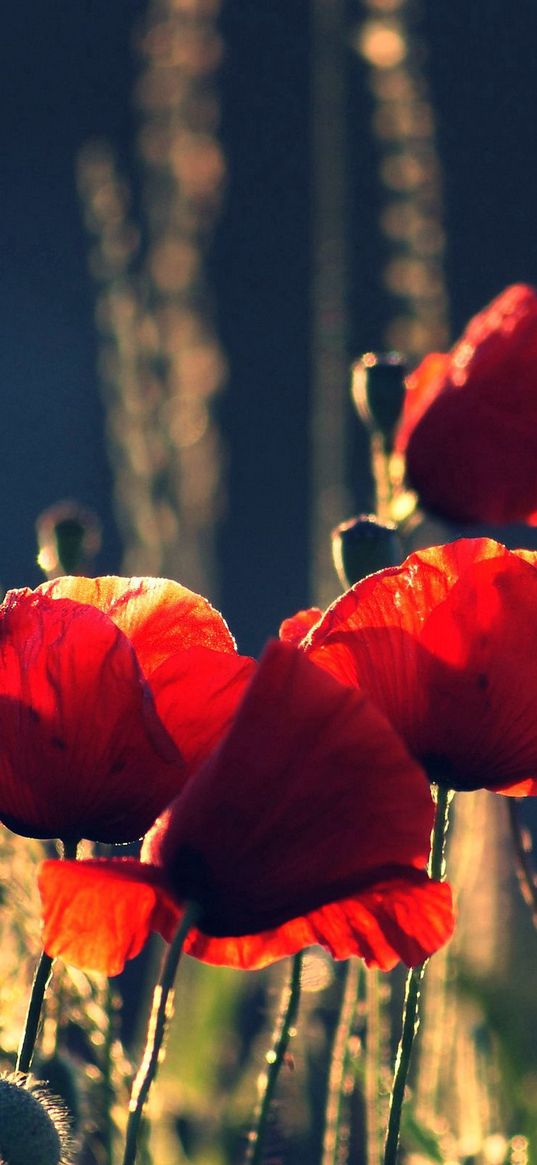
point(33, 1124)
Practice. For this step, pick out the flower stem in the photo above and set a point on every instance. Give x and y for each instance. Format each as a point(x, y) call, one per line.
point(339, 1063)
point(107, 1082)
point(524, 870)
point(161, 1013)
point(372, 1066)
point(39, 986)
point(413, 987)
point(33, 1015)
point(288, 1012)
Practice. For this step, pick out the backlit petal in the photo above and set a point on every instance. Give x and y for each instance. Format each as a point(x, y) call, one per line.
point(310, 798)
point(446, 645)
point(97, 914)
point(157, 615)
point(82, 751)
point(196, 694)
point(294, 629)
point(400, 920)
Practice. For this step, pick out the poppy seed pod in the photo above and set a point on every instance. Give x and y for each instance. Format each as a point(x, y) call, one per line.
point(378, 391)
point(363, 545)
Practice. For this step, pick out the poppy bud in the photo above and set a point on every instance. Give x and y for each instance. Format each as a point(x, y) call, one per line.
point(69, 537)
point(33, 1125)
point(378, 391)
point(363, 545)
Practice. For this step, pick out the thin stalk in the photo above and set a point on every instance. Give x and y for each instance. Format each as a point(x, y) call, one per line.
point(107, 1082)
point(413, 987)
point(523, 865)
point(372, 1066)
point(37, 995)
point(161, 1013)
point(338, 1062)
point(381, 476)
point(286, 1019)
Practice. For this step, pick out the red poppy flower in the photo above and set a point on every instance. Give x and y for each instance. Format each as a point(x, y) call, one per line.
point(446, 645)
point(469, 426)
point(111, 690)
point(308, 824)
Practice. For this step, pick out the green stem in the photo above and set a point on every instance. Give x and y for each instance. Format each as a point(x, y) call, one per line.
point(339, 1063)
point(381, 476)
point(33, 1015)
point(413, 987)
point(372, 1067)
point(107, 1082)
point(523, 865)
point(39, 986)
point(286, 1019)
point(158, 1022)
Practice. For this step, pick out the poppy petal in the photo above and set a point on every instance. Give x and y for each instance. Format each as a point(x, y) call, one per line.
point(310, 798)
point(294, 629)
point(97, 914)
point(400, 920)
point(157, 615)
point(196, 694)
point(470, 432)
point(446, 640)
point(83, 752)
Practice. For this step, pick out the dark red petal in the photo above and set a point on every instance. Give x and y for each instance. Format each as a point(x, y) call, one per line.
point(471, 436)
point(97, 914)
point(196, 694)
point(446, 645)
point(294, 629)
point(397, 920)
point(310, 798)
point(157, 615)
point(83, 753)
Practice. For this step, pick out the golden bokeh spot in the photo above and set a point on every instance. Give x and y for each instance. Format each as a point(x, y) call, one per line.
point(382, 44)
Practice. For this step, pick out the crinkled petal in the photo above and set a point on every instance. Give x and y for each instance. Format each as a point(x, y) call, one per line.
point(97, 914)
point(196, 694)
point(157, 615)
point(82, 753)
point(398, 920)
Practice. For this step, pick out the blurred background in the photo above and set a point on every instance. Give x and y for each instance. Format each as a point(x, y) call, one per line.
point(293, 246)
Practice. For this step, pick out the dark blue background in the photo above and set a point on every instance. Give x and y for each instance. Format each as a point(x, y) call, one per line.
point(67, 72)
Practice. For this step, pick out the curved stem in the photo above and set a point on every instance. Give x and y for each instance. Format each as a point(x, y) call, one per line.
point(286, 1019)
point(523, 866)
point(413, 987)
point(158, 1022)
point(39, 986)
